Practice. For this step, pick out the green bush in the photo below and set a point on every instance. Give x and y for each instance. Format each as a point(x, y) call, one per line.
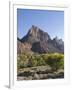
point(56, 61)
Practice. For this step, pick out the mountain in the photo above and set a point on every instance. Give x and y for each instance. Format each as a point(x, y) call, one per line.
point(35, 34)
point(58, 43)
point(36, 40)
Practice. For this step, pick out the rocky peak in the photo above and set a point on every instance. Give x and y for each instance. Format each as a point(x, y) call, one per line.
point(36, 40)
point(57, 40)
point(33, 31)
point(36, 34)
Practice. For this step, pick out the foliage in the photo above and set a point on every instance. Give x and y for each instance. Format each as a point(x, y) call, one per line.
point(56, 61)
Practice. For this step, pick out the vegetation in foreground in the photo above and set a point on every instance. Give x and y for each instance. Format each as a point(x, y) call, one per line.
point(29, 64)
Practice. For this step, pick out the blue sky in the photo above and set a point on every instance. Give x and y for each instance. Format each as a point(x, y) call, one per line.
point(50, 21)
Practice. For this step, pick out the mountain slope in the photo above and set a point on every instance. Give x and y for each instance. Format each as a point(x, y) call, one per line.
point(35, 34)
point(36, 40)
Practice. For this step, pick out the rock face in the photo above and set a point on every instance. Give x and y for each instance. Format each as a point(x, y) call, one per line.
point(23, 47)
point(39, 41)
point(58, 43)
point(35, 34)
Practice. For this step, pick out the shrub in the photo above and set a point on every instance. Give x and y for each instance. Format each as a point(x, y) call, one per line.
point(56, 61)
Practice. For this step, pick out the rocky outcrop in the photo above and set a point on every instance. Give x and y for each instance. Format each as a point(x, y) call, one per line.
point(23, 47)
point(40, 72)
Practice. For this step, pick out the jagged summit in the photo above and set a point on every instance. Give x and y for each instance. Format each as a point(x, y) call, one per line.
point(33, 30)
point(35, 34)
point(36, 40)
point(57, 40)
